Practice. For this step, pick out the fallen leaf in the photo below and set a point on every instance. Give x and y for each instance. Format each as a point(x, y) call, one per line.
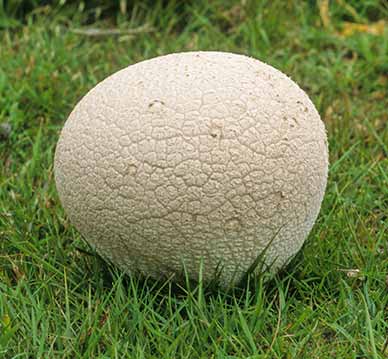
point(17, 272)
point(375, 28)
point(352, 273)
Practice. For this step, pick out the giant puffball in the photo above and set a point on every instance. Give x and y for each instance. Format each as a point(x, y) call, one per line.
point(194, 160)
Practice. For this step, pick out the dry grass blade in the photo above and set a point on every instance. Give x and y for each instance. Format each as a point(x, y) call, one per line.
point(109, 32)
point(324, 12)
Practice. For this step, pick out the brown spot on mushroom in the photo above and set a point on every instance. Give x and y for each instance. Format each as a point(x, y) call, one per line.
point(154, 102)
point(233, 224)
point(131, 169)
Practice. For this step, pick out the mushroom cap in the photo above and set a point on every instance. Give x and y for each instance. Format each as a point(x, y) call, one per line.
point(194, 159)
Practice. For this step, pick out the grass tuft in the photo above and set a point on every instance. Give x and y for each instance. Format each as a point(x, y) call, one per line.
point(57, 300)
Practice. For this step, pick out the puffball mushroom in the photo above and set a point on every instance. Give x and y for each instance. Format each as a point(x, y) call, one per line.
point(194, 160)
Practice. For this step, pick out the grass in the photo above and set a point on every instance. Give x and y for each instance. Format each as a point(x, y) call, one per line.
point(56, 301)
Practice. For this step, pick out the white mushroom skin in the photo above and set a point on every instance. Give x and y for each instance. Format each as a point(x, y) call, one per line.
point(194, 157)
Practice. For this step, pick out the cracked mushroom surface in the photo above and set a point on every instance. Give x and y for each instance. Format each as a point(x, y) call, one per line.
point(191, 157)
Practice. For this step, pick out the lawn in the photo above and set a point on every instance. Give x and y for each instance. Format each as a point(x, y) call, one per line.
point(59, 300)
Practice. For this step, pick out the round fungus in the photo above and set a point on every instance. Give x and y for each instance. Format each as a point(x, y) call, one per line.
point(196, 159)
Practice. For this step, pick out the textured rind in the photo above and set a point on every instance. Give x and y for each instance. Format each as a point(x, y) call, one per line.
point(193, 157)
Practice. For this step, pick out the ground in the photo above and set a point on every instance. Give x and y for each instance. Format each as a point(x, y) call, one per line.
point(59, 300)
